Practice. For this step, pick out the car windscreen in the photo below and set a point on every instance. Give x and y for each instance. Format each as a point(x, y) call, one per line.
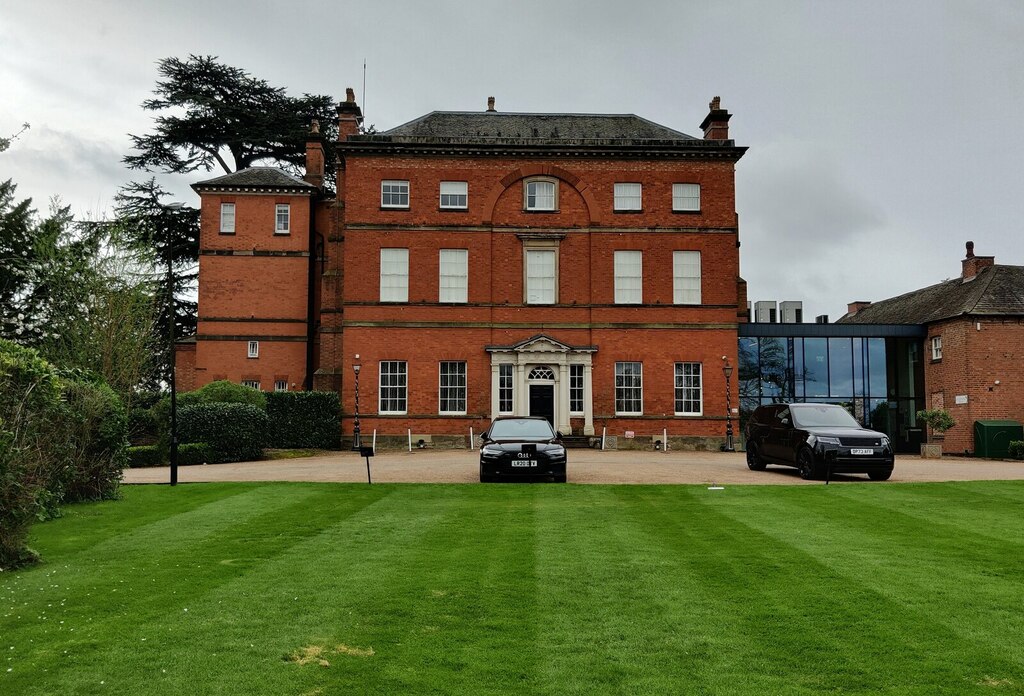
point(520, 428)
point(823, 416)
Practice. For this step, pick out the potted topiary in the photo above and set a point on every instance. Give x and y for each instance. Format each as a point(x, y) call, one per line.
point(939, 420)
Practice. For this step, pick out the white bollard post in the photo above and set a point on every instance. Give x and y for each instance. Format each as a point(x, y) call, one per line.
point(604, 431)
point(664, 440)
point(375, 441)
point(472, 442)
point(409, 433)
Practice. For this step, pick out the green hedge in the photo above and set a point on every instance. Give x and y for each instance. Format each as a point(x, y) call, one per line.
point(1016, 449)
point(224, 392)
point(234, 432)
point(303, 420)
point(96, 426)
point(144, 455)
point(192, 453)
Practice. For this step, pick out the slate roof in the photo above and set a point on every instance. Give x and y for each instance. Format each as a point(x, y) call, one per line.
point(256, 177)
point(995, 290)
point(540, 129)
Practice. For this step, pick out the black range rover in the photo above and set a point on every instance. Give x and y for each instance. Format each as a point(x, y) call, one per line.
point(813, 436)
point(516, 447)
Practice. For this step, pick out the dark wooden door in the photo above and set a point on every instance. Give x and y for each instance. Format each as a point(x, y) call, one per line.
point(542, 401)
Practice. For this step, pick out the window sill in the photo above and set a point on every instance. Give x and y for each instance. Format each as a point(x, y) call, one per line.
point(689, 415)
point(618, 414)
point(453, 210)
point(934, 360)
point(537, 210)
point(395, 207)
point(283, 234)
point(633, 211)
point(226, 234)
point(686, 212)
point(451, 413)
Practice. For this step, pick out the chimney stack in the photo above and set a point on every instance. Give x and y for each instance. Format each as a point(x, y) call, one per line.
point(490, 104)
point(716, 123)
point(972, 264)
point(349, 115)
point(855, 307)
point(314, 156)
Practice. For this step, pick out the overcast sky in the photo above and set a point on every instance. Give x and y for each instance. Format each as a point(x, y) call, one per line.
point(882, 135)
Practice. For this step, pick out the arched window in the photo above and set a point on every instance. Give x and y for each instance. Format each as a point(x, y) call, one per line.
point(542, 372)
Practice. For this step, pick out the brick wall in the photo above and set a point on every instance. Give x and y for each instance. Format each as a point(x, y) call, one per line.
point(976, 353)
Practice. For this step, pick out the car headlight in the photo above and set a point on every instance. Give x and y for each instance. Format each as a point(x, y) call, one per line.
point(820, 440)
point(885, 441)
point(557, 451)
point(491, 451)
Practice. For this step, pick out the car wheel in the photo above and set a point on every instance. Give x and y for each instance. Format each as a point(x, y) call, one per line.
point(882, 475)
point(754, 461)
point(805, 463)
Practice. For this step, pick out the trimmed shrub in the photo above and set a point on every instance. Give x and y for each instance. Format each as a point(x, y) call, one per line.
point(96, 438)
point(192, 453)
point(1016, 449)
point(145, 455)
point(304, 419)
point(30, 474)
point(234, 432)
point(224, 392)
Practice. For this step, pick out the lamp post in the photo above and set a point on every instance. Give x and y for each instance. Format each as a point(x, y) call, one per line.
point(171, 318)
point(727, 370)
point(356, 441)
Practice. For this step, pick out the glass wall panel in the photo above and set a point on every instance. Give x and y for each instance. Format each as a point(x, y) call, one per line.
point(816, 367)
point(858, 367)
point(774, 362)
point(876, 368)
point(798, 368)
point(840, 367)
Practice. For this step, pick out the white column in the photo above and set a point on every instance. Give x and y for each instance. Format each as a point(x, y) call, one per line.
point(521, 398)
point(562, 417)
point(588, 399)
point(495, 383)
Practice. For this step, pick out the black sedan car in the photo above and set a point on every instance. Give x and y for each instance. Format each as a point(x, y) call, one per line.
point(812, 437)
point(519, 448)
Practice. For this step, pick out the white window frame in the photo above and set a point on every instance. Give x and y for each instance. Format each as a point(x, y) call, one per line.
point(252, 383)
point(533, 293)
point(397, 386)
point(629, 276)
point(283, 218)
point(394, 193)
point(449, 393)
point(542, 202)
point(936, 347)
point(686, 198)
point(628, 197)
point(394, 274)
point(453, 275)
point(506, 388)
point(280, 385)
point(227, 218)
point(681, 388)
point(576, 389)
point(454, 195)
point(683, 280)
point(254, 349)
point(631, 382)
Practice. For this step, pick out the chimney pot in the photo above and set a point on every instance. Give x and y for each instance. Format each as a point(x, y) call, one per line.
point(716, 123)
point(970, 250)
point(490, 104)
point(314, 127)
point(350, 95)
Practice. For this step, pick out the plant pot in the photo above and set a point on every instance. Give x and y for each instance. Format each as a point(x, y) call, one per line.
point(931, 450)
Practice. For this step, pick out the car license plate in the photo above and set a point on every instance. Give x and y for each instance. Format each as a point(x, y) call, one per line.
point(523, 462)
point(862, 451)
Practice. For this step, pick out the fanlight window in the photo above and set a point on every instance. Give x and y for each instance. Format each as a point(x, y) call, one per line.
point(541, 373)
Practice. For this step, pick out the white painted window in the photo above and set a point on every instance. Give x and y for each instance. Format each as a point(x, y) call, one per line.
point(394, 194)
point(686, 197)
point(628, 197)
point(686, 277)
point(454, 195)
point(394, 275)
point(689, 389)
point(394, 396)
point(541, 276)
point(629, 388)
point(227, 218)
point(280, 385)
point(254, 349)
point(252, 383)
point(576, 389)
point(936, 347)
point(452, 387)
point(629, 277)
point(540, 194)
point(454, 270)
point(283, 224)
point(505, 388)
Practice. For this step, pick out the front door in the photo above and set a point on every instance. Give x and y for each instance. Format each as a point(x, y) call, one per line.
point(542, 401)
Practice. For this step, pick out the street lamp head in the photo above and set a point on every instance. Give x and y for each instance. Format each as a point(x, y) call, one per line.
point(356, 368)
point(727, 370)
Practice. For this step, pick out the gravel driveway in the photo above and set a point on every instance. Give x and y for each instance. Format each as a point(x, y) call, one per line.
point(585, 466)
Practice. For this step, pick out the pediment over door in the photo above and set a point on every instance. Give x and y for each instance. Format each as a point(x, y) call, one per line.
point(541, 343)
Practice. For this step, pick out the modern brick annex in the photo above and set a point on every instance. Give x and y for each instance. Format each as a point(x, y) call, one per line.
point(582, 267)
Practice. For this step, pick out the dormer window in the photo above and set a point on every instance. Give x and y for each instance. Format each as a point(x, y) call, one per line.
point(540, 195)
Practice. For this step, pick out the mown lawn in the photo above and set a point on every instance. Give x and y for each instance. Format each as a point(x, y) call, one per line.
point(469, 589)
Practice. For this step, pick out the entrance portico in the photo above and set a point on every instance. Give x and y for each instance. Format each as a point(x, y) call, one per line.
point(537, 372)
